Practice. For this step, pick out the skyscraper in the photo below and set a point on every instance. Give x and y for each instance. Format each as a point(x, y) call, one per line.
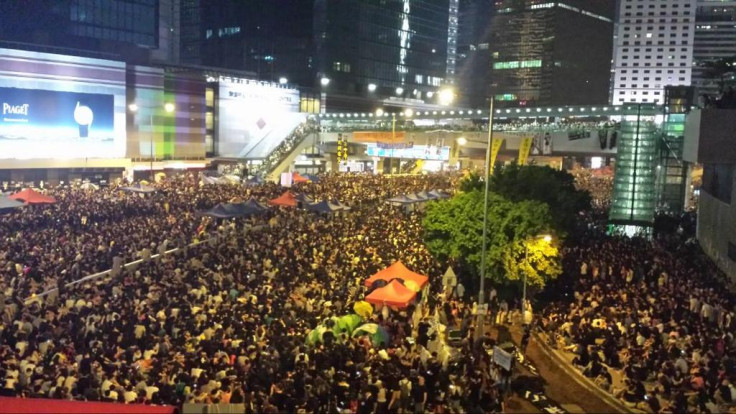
point(272, 40)
point(653, 48)
point(128, 29)
point(358, 54)
point(473, 52)
point(387, 51)
point(551, 52)
point(715, 38)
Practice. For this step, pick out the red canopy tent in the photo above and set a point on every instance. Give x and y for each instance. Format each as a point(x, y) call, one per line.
point(298, 178)
point(42, 406)
point(393, 294)
point(286, 200)
point(33, 197)
point(398, 271)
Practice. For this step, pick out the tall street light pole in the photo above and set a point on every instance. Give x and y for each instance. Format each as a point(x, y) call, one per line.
point(481, 294)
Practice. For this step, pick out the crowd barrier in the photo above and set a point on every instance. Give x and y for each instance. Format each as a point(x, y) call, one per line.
point(146, 256)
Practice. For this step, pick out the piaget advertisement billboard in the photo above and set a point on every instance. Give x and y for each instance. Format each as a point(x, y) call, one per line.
point(38, 123)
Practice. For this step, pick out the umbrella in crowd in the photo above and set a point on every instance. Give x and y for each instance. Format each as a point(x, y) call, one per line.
point(89, 186)
point(363, 309)
point(141, 187)
point(348, 323)
point(31, 196)
point(9, 203)
point(376, 333)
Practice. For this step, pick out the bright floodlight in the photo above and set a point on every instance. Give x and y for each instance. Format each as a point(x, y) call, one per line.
point(379, 112)
point(283, 80)
point(324, 81)
point(409, 113)
point(133, 107)
point(399, 90)
point(447, 96)
point(462, 141)
point(169, 107)
point(371, 87)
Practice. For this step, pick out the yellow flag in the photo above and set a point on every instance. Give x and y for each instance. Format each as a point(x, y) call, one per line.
point(495, 147)
point(526, 145)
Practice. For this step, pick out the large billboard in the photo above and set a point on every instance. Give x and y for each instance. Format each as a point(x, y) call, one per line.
point(254, 117)
point(39, 123)
point(419, 152)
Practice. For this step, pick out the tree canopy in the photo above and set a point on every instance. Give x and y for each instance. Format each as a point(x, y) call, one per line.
point(454, 229)
point(544, 184)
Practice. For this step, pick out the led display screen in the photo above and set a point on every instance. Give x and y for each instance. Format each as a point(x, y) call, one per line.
point(37, 123)
point(254, 118)
point(421, 152)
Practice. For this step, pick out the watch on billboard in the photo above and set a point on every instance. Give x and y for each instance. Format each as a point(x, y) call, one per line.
point(39, 123)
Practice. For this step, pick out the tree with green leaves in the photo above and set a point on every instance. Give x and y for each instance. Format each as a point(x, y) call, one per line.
point(454, 230)
point(544, 184)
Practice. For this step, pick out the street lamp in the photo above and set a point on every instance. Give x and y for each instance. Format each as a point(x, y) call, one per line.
point(447, 95)
point(462, 141)
point(169, 108)
point(324, 81)
point(546, 238)
point(487, 177)
point(371, 87)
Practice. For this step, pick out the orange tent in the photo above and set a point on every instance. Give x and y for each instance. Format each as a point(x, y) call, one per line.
point(33, 197)
point(398, 271)
point(298, 178)
point(393, 294)
point(286, 200)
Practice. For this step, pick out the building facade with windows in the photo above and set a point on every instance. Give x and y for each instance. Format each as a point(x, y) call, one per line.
point(126, 29)
point(473, 52)
point(653, 48)
point(715, 38)
point(398, 51)
point(350, 54)
point(549, 53)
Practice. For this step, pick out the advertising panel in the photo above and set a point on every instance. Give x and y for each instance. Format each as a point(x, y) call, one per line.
point(377, 136)
point(254, 117)
point(37, 123)
point(420, 152)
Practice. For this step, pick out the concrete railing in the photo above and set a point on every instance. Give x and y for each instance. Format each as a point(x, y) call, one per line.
point(212, 240)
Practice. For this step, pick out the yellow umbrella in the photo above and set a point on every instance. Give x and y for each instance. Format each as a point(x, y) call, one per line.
point(412, 285)
point(363, 309)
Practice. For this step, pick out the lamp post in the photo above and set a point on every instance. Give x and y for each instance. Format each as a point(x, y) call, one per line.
point(169, 108)
point(547, 238)
point(487, 168)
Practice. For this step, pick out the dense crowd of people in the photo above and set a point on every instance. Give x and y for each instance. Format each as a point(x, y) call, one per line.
point(598, 183)
point(650, 321)
point(226, 322)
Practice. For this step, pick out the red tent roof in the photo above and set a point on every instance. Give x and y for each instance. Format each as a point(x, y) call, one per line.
point(287, 200)
point(298, 178)
point(43, 405)
point(393, 294)
point(397, 271)
point(32, 197)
